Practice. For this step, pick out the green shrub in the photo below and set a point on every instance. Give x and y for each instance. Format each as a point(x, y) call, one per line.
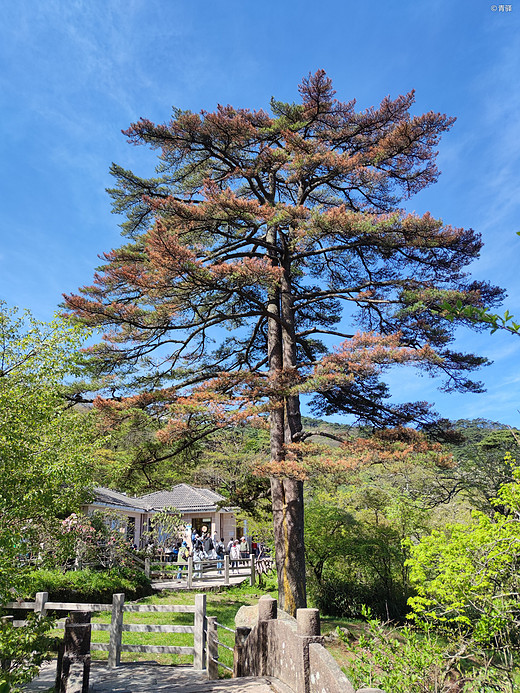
point(467, 578)
point(346, 599)
point(405, 660)
point(22, 651)
point(88, 585)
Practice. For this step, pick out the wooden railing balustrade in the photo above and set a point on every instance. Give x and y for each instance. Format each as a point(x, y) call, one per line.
point(119, 609)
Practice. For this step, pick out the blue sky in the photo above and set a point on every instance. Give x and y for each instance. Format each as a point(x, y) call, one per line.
point(75, 72)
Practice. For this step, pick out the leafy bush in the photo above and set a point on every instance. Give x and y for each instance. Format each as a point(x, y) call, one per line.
point(347, 598)
point(467, 581)
point(467, 578)
point(22, 651)
point(89, 585)
point(404, 660)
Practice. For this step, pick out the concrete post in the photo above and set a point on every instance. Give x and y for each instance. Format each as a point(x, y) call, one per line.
point(226, 569)
point(252, 566)
point(308, 622)
point(267, 611)
point(308, 628)
point(241, 635)
point(267, 608)
point(190, 573)
point(73, 667)
point(116, 631)
point(39, 607)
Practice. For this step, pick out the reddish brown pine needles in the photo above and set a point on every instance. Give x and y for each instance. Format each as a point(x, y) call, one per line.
point(241, 258)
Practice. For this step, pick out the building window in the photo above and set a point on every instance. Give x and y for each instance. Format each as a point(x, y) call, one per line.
point(130, 529)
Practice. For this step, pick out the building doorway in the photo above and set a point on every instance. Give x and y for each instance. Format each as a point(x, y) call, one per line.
point(201, 525)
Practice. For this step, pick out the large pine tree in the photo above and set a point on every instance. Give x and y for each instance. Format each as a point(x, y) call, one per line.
point(261, 236)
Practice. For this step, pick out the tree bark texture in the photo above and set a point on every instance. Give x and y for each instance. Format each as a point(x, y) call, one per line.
point(287, 500)
point(285, 427)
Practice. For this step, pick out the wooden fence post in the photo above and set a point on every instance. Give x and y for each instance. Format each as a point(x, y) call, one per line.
point(39, 603)
point(147, 570)
point(73, 667)
point(116, 631)
point(199, 631)
point(226, 569)
point(212, 648)
point(190, 572)
point(252, 577)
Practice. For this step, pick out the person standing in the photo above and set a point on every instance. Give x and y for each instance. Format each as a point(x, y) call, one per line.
point(244, 548)
point(234, 555)
point(175, 551)
point(208, 543)
point(182, 559)
point(198, 556)
point(219, 548)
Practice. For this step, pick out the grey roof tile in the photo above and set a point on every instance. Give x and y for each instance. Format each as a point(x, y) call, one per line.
point(183, 497)
point(108, 496)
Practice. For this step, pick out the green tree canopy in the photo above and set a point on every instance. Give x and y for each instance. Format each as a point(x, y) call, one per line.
point(45, 447)
point(467, 575)
point(481, 467)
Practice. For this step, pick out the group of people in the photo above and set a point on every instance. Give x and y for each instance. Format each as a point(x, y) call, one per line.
point(205, 547)
point(237, 550)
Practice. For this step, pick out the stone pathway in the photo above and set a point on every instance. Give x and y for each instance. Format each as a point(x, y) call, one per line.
point(148, 677)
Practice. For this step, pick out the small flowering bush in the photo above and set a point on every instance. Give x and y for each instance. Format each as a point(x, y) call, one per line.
point(78, 540)
point(98, 540)
point(112, 546)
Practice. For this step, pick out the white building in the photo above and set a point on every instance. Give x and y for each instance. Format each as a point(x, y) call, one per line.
point(197, 506)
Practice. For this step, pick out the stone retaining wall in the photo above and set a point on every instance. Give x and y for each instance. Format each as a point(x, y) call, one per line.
point(288, 649)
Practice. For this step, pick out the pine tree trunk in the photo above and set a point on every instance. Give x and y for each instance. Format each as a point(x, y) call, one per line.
point(287, 500)
point(285, 425)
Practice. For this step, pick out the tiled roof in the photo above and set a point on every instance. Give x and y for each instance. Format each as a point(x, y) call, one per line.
point(183, 497)
point(107, 496)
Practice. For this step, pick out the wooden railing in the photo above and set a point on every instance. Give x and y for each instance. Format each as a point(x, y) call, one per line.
point(213, 644)
point(208, 570)
point(118, 608)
